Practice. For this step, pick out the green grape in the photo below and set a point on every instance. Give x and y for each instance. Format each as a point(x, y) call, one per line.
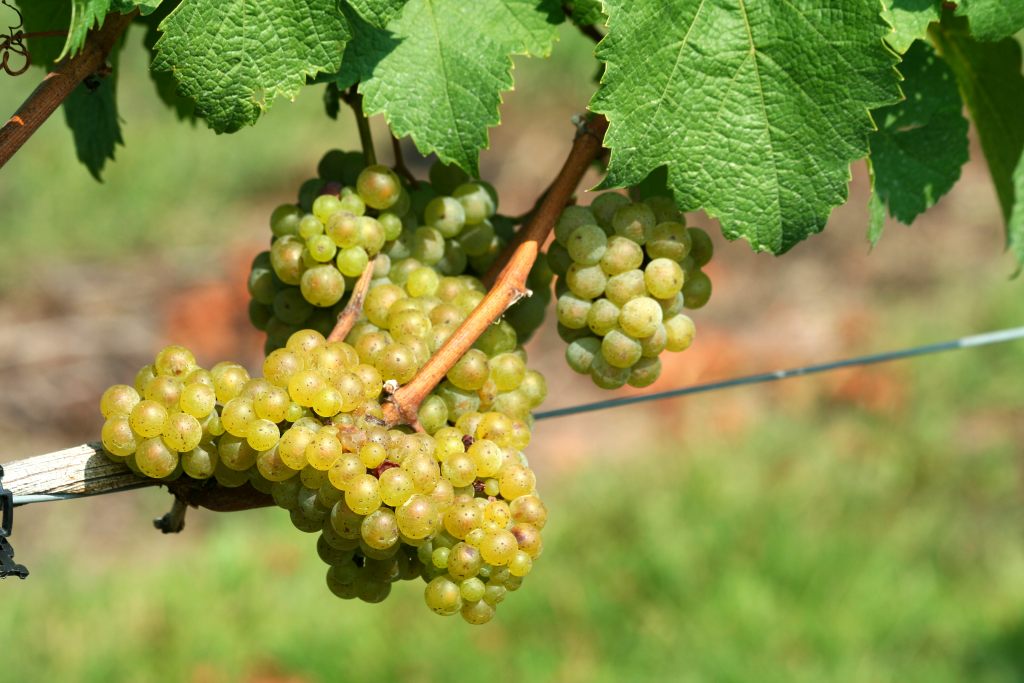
point(472, 590)
point(607, 376)
point(433, 414)
point(673, 305)
point(497, 338)
point(280, 365)
point(634, 221)
point(260, 315)
point(620, 350)
point(290, 305)
point(292, 446)
point(652, 346)
point(476, 239)
point(182, 432)
point(370, 379)
point(340, 166)
point(512, 403)
point(117, 436)
point(579, 354)
point(371, 234)
point(625, 286)
point(201, 461)
point(380, 529)
point(422, 282)
point(379, 301)
point(454, 260)
point(446, 214)
point(446, 177)
point(515, 480)
point(343, 472)
point(310, 226)
point(351, 202)
point(470, 372)
point(464, 561)
point(499, 548)
point(395, 361)
point(572, 217)
point(507, 371)
point(669, 240)
point(396, 486)
point(262, 435)
point(119, 399)
point(477, 203)
point(458, 401)
point(343, 229)
point(286, 259)
point(697, 290)
point(322, 286)
point(324, 206)
point(391, 224)
point(604, 207)
point(352, 261)
point(322, 248)
point(417, 516)
point(408, 324)
point(680, 331)
point(165, 390)
point(154, 459)
point(370, 346)
point(534, 387)
point(622, 255)
point(147, 418)
point(378, 186)
point(272, 404)
point(327, 402)
point(262, 283)
point(363, 494)
point(644, 373)
point(520, 564)
point(702, 248)
point(236, 416)
point(663, 278)
point(529, 509)
point(477, 613)
point(587, 282)
point(665, 209)
point(640, 317)
point(443, 596)
point(271, 467)
point(143, 377)
point(303, 386)
point(573, 311)
point(284, 220)
point(323, 450)
point(603, 317)
point(175, 361)
point(427, 245)
point(587, 244)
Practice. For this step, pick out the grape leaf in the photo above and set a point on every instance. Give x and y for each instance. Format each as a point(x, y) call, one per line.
point(42, 16)
point(91, 113)
point(437, 72)
point(1015, 224)
point(876, 211)
point(378, 12)
point(234, 57)
point(992, 19)
point(166, 86)
point(921, 142)
point(990, 80)
point(909, 20)
point(757, 107)
point(587, 12)
point(89, 14)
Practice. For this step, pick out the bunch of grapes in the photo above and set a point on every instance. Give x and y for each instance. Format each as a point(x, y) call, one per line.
point(454, 503)
point(626, 271)
point(354, 215)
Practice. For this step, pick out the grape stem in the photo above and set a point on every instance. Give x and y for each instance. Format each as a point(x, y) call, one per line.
point(354, 308)
point(355, 100)
point(60, 83)
point(512, 269)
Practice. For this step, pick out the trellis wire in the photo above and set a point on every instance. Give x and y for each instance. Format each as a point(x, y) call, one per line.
point(971, 341)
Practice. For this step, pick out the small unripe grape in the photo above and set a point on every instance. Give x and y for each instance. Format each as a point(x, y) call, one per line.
point(286, 259)
point(634, 221)
point(573, 310)
point(428, 245)
point(572, 218)
point(644, 373)
point(446, 214)
point(476, 201)
point(605, 205)
point(702, 249)
point(580, 354)
point(324, 206)
point(284, 220)
point(697, 290)
point(143, 377)
point(669, 240)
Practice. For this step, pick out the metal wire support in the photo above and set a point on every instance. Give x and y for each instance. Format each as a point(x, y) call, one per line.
point(8, 567)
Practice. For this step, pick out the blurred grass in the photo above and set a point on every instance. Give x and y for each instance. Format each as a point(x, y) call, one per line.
point(825, 544)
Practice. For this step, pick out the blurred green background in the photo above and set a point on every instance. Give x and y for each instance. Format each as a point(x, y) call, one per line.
point(862, 526)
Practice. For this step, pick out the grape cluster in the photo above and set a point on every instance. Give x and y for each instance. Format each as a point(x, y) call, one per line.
point(353, 215)
point(454, 503)
point(626, 271)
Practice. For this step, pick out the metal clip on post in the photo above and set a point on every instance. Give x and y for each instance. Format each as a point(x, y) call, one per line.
point(7, 564)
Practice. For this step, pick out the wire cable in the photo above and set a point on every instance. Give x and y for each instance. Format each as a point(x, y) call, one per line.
point(968, 342)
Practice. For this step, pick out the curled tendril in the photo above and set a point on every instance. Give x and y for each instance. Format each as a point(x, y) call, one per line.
point(14, 43)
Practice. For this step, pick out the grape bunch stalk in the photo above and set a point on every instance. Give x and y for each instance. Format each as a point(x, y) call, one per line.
point(626, 271)
point(452, 501)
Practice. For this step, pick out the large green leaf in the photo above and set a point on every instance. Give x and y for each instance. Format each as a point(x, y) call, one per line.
point(921, 143)
point(378, 12)
point(757, 107)
point(43, 16)
point(992, 19)
point(89, 14)
point(234, 57)
point(437, 72)
point(990, 80)
point(910, 20)
point(166, 86)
